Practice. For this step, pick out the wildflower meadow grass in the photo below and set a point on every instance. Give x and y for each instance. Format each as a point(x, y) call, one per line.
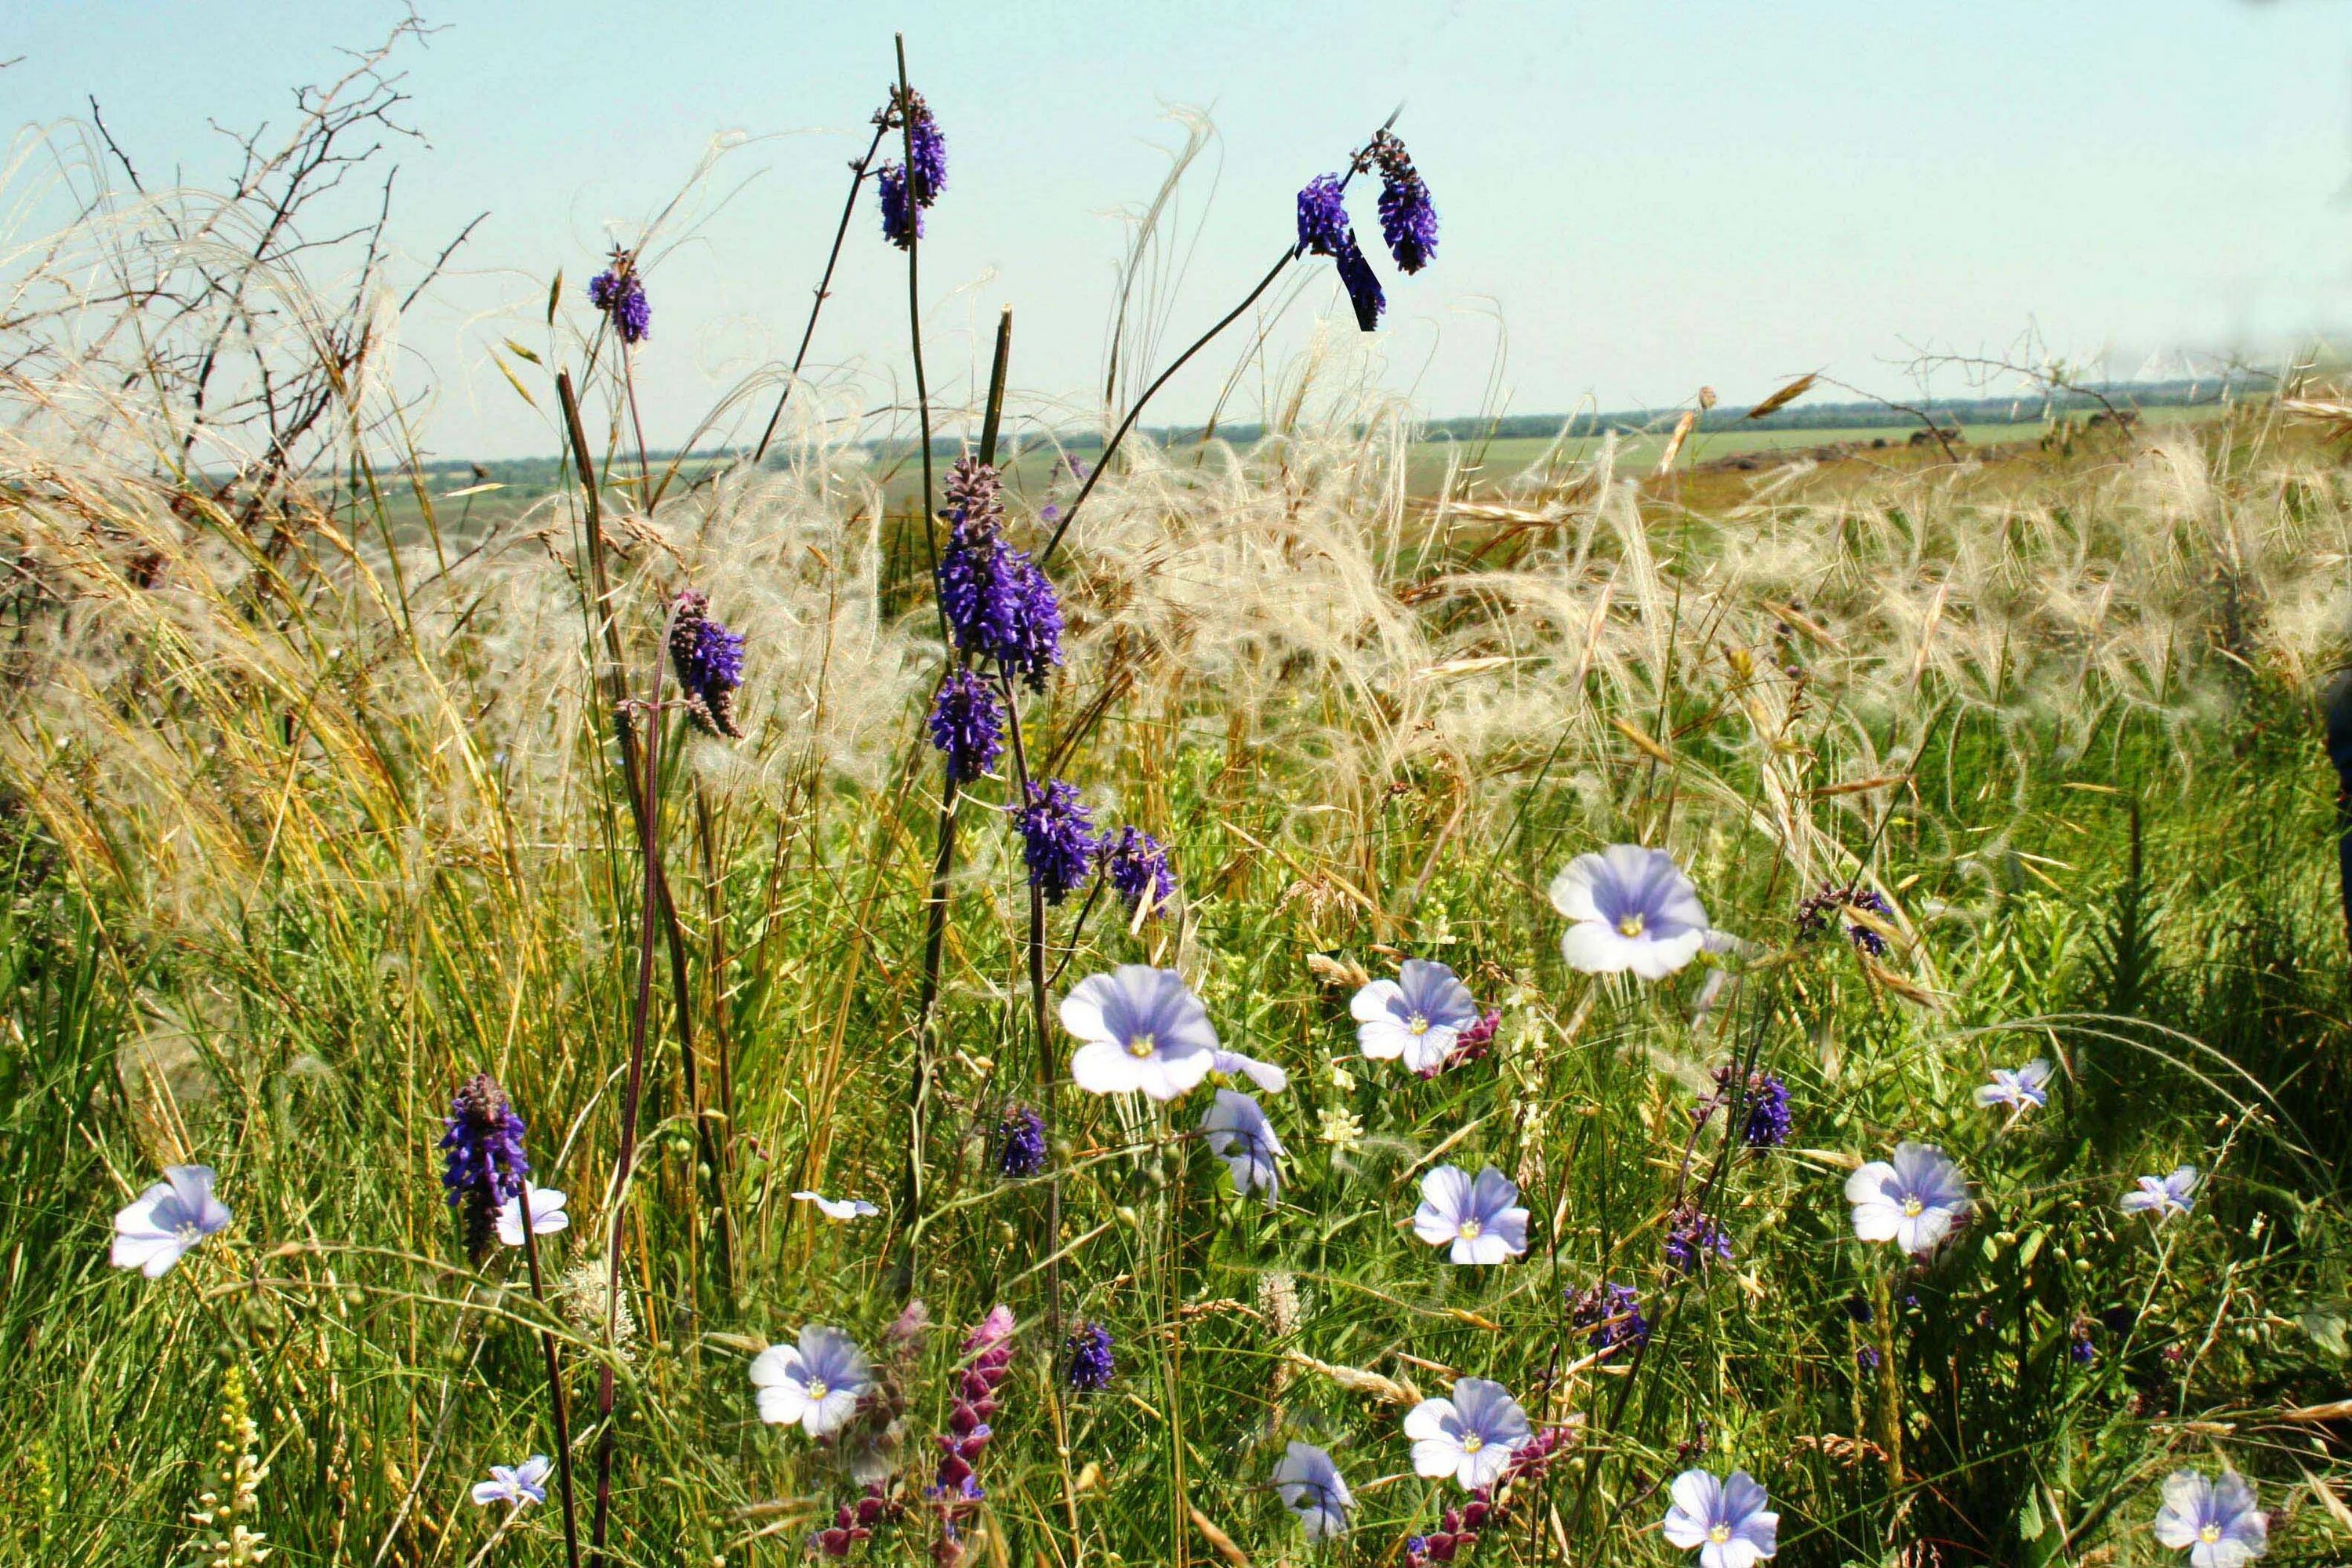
point(1247, 1011)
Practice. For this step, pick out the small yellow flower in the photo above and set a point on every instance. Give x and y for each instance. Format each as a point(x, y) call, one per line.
point(1341, 1130)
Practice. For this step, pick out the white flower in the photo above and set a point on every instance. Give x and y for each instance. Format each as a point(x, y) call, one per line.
point(1630, 908)
point(1470, 1437)
point(1143, 1029)
point(1419, 1015)
point(2163, 1196)
point(817, 1385)
point(1479, 1220)
point(1914, 1202)
point(838, 1209)
point(517, 1486)
point(170, 1217)
point(547, 1215)
point(1726, 1519)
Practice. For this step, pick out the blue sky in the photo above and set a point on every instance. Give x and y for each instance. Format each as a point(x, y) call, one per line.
point(1637, 198)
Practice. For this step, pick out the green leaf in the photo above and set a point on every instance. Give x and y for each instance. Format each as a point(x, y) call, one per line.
point(2029, 1519)
point(2327, 1331)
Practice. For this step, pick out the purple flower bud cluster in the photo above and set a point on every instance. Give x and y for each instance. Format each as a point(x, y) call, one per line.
point(902, 218)
point(1470, 1045)
point(1866, 1358)
point(1020, 1143)
point(957, 1492)
point(855, 1523)
point(1692, 1239)
point(1489, 1508)
point(1057, 839)
point(483, 1164)
point(1324, 230)
point(998, 605)
point(967, 725)
point(620, 294)
point(1136, 865)
point(1091, 1364)
point(1407, 217)
point(1816, 915)
point(1613, 1314)
point(1768, 1123)
point(709, 660)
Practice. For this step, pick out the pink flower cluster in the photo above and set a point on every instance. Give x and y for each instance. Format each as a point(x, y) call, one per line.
point(853, 1522)
point(1473, 1043)
point(957, 1492)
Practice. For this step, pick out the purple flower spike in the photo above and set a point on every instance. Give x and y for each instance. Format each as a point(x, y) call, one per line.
point(1363, 287)
point(930, 156)
point(1407, 217)
point(1323, 217)
point(620, 294)
point(1021, 1143)
point(1613, 1314)
point(902, 223)
point(708, 659)
point(1138, 866)
point(1768, 1112)
point(483, 1162)
point(1057, 835)
point(967, 725)
point(1692, 1239)
point(998, 604)
point(1092, 1364)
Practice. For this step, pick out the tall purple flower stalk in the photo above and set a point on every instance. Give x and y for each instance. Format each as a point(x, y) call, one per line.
point(1136, 865)
point(1407, 217)
point(1020, 1143)
point(956, 1492)
point(620, 294)
point(1324, 230)
point(998, 605)
point(708, 662)
point(483, 1162)
point(1058, 843)
point(902, 221)
point(967, 725)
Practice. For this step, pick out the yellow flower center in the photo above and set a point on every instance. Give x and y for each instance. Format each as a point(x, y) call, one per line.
point(1417, 1024)
point(1719, 1533)
point(1470, 1229)
point(817, 1388)
point(2210, 1534)
point(1912, 1208)
point(1630, 924)
point(1142, 1045)
point(1472, 1443)
point(189, 1232)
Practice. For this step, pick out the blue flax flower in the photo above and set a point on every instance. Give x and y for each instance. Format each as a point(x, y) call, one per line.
point(169, 1218)
point(2019, 1089)
point(1629, 909)
point(1481, 1222)
point(1311, 1487)
point(1913, 1201)
point(815, 1385)
point(1237, 1133)
point(1142, 1028)
point(2163, 1196)
point(1727, 1519)
point(2216, 1520)
point(1420, 1016)
point(516, 1486)
point(1470, 1437)
point(1057, 839)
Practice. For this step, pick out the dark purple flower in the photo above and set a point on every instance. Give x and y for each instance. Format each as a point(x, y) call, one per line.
point(1858, 1309)
point(1323, 227)
point(1815, 914)
point(930, 153)
point(483, 1162)
point(987, 1351)
point(1363, 287)
point(1767, 1111)
point(1138, 866)
point(997, 603)
point(967, 725)
point(1091, 1362)
point(1866, 1358)
point(1408, 218)
point(619, 293)
point(901, 224)
point(1058, 835)
point(1021, 1143)
point(2117, 1320)
point(1613, 1313)
point(708, 659)
point(1692, 1239)
point(2080, 1346)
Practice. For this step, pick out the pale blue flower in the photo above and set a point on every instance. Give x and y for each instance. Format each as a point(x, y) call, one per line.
point(517, 1486)
point(838, 1209)
point(2216, 1520)
point(547, 1215)
point(1419, 1015)
point(816, 1385)
point(1143, 1029)
point(169, 1219)
point(1265, 1075)
point(1480, 1220)
point(1913, 1201)
point(2163, 1196)
point(2019, 1089)
point(1239, 1134)
point(1726, 1519)
point(1629, 909)
point(1470, 1437)
point(1311, 1487)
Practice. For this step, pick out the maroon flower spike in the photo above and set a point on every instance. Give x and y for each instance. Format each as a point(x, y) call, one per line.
point(955, 1492)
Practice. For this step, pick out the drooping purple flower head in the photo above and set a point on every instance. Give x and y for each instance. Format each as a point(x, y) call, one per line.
point(2217, 1522)
point(1407, 217)
point(1692, 1239)
point(709, 660)
point(1613, 1312)
point(620, 294)
point(1020, 1143)
point(1092, 1366)
point(929, 159)
point(1363, 286)
point(1726, 1519)
point(998, 605)
point(483, 1163)
point(1057, 839)
point(967, 725)
point(1136, 865)
point(902, 221)
point(1767, 1111)
point(1479, 1221)
point(1323, 229)
point(1816, 915)
point(1237, 1132)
